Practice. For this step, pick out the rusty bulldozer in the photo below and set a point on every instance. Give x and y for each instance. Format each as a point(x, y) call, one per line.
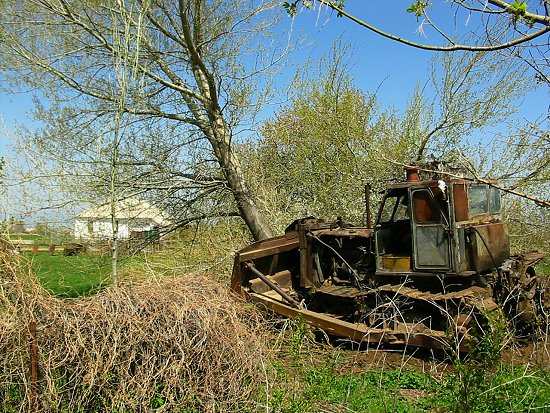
point(429, 272)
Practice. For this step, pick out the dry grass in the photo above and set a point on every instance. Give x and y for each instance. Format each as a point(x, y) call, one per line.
point(178, 343)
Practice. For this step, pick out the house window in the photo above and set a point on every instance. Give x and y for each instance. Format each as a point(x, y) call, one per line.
point(90, 227)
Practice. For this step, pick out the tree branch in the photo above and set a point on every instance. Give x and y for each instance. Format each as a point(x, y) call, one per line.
point(545, 20)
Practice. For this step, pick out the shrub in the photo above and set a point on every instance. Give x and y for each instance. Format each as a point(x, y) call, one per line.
point(179, 343)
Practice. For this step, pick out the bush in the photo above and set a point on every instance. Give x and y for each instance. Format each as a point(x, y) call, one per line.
point(180, 343)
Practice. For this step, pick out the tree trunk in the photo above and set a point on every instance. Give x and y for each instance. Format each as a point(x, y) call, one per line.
point(216, 129)
point(246, 202)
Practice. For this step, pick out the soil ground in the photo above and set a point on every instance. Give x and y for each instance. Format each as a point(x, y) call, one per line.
point(529, 353)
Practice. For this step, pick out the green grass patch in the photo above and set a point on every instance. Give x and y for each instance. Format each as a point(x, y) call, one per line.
point(506, 389)
point(70, 277)
point(372, 391)
point(336, 380)
point(330, 388)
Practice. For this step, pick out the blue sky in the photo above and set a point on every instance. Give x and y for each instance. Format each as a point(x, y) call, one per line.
point(379, 64)
point(394, 67)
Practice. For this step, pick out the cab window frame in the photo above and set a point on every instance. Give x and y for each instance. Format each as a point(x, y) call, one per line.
point(398, 203)
point(478, 200)
point(490, 204)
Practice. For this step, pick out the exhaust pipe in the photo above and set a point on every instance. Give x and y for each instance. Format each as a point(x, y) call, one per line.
point(412, 174)
point(368, 215)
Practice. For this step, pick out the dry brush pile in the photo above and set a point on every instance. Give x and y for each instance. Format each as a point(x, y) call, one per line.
point(178, 344)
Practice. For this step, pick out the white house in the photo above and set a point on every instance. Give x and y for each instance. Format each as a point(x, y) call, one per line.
point(134, 218)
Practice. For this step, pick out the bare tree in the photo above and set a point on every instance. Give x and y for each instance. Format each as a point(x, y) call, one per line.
point(191, 91)
point(472, 91)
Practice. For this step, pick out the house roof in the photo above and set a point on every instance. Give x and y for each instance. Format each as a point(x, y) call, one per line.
point(129, 208)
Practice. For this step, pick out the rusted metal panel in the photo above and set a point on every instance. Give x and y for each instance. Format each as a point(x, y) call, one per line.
point(489, 246)
point(272, 284)
point(461, 255)
point(360, 332)
point(282, 278)
point(475, 296)
point(424, 209)
point(306, 261)
point(267, 248)
point(460, 202)
point(237, 278)
point(531, 258)
point(346, 232)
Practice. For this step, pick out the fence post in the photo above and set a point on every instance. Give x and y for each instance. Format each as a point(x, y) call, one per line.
point(33, 350)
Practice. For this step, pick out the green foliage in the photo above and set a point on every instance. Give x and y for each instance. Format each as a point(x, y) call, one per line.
point(522, 161)
point(418, 8)
point(504, 389)
point(291, 7)
point(315, 156)
point(543, 268)
point(204, 248)
point(492, 336)
point(518, 8)
point(11, 396)
point(474, 371)
point(158, 400)
point(299, 335)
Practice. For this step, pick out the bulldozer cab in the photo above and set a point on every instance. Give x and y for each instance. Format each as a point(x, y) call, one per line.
point(413, 232)
point(439, 226)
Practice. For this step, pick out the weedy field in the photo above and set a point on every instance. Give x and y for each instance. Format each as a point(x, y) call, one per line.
point(313, 378)
point(172, 338)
